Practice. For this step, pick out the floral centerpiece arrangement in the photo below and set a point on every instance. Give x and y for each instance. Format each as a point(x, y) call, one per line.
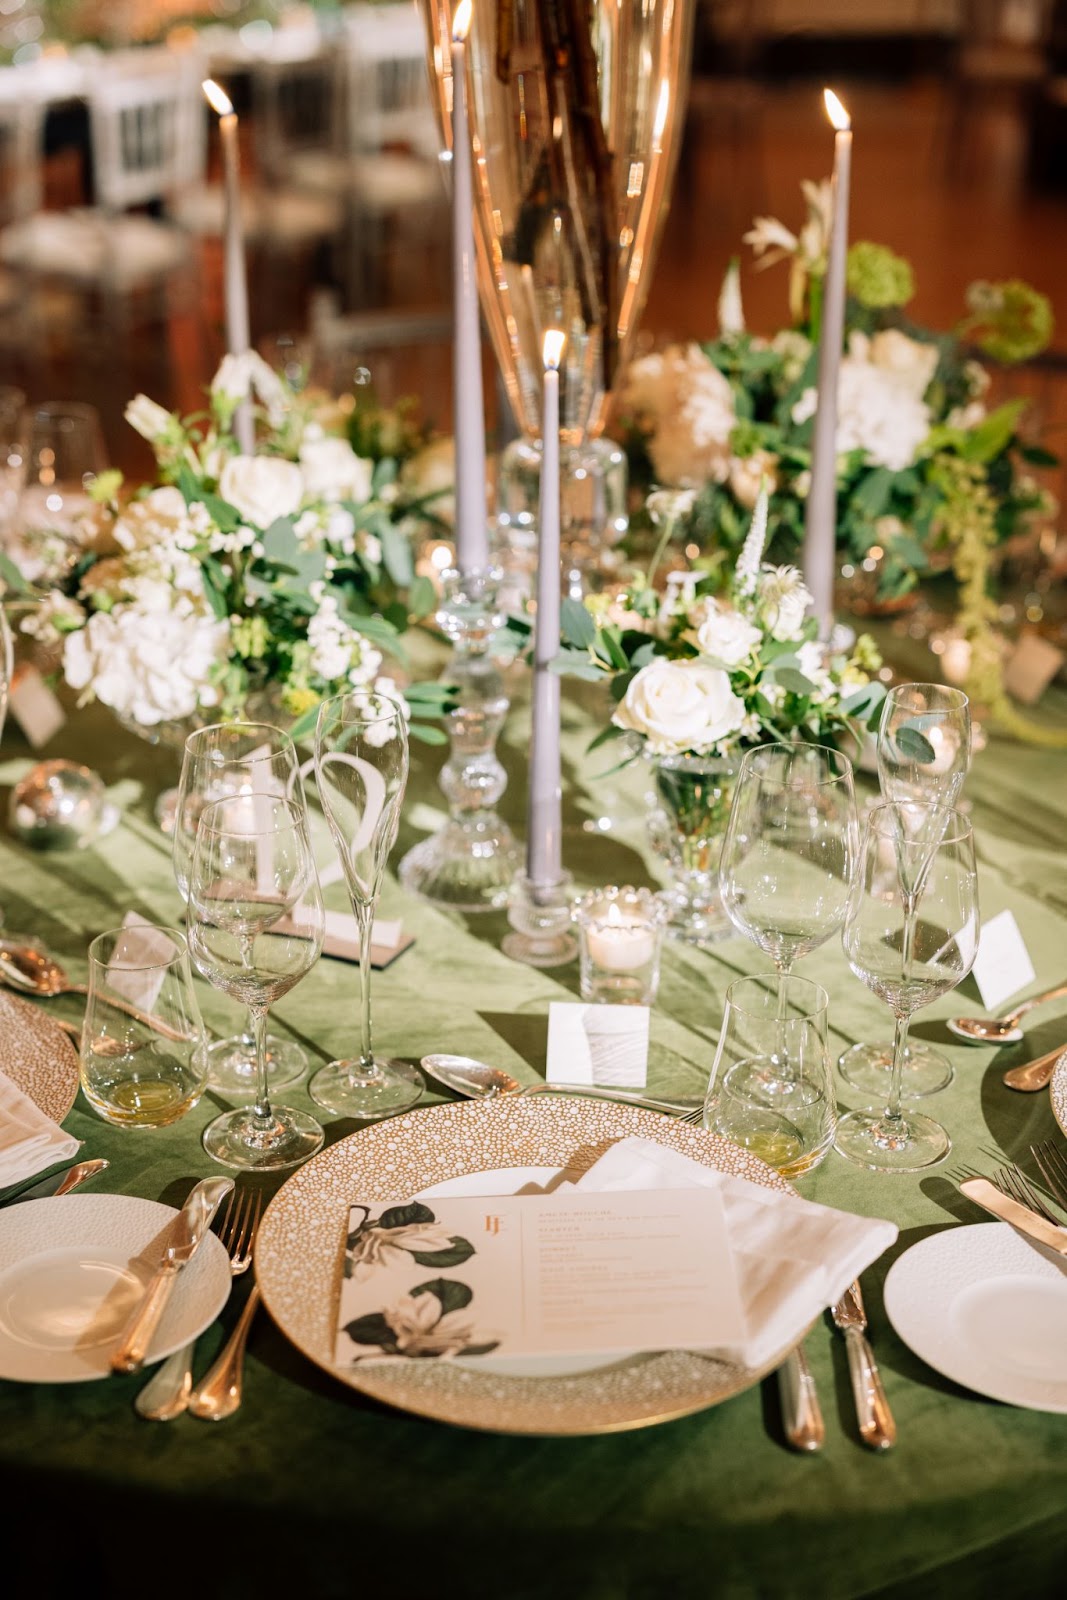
point(701, 674)
point(286, 574)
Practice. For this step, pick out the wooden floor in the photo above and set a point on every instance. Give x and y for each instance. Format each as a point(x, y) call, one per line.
point(957, 214)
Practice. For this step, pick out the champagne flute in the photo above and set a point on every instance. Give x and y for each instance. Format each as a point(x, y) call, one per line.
point(257, 760)
point(361, 763)
point(924, 751)
point(64, 453)
point(910, 864)
point(255, 929)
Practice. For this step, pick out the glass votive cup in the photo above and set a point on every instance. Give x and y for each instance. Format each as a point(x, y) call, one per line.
point(143, 1047)
point(771, 1088)
point(620, 935)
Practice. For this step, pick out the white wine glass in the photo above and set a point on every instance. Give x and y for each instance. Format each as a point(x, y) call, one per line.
point(924, 752)
point(790, 849)
point(911, 935)
point(255, 930)
point(257, 761)
point(361, 764)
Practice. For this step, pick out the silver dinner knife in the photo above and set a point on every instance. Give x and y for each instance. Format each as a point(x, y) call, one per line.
point(877, 1428)
point(57, 1183)
point(189, 1227)
point(989, 1197)
point(801, 1412)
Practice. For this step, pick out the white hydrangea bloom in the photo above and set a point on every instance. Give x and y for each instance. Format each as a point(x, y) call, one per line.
point(150, 666)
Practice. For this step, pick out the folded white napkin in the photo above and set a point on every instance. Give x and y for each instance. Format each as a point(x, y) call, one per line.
point(29, 1141)
point(792, 1258)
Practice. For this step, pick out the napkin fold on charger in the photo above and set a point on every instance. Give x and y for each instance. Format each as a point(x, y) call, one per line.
point(30, 1142)
point(792, 1258)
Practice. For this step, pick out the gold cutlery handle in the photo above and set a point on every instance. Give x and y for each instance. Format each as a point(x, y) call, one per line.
point(801, 1412)
point(220, 1393)
point(132, 1348)
point(877, 1428)
point(166, 1394)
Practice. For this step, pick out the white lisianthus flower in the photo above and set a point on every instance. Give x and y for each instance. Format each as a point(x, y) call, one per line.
point(240, 376)
point(261, 488)
point(432, 471)
point(148, 666)
point(770, 240)
point(811, 661)
point(726, 638)
point(152, 421)
point(783, 599)
point(911, 362)
point(680, 706)
point(332, 470)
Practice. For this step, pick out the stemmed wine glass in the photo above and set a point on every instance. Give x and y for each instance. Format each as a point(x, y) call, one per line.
point(255, 929)
point(361, 764)
point(924, 751)
point(790, 849)
point(258, 761)
point(910, 862)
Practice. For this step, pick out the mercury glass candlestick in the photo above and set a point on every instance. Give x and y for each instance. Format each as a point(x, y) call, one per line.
point(469, 863)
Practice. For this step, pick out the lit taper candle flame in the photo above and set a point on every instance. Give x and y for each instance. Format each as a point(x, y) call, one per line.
point(461, 22)
point(836, 111)
point(552, 348)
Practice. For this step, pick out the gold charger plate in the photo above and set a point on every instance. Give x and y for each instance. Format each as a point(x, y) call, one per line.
point(1057, 1090)
point(300, 1247)
point(37, 1056)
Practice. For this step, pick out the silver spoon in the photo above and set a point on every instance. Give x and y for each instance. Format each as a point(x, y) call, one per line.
point(477, 1081)
point(1001, 1030)
point(33, 971)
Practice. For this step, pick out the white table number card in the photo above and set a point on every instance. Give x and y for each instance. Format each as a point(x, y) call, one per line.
point(602, 1045)
point(1002, 966)
point(550, 1274)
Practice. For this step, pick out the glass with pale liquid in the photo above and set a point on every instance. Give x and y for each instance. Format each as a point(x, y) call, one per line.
point(143, 1055)
point(771, 1088)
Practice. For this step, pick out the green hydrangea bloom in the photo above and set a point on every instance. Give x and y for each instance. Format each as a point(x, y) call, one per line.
point(877, 278)
point(1009, 321)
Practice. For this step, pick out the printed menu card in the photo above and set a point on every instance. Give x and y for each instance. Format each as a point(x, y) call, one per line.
point(542, 1274)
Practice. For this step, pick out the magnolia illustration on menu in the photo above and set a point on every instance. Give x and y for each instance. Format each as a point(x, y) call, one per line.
point(431, 1318)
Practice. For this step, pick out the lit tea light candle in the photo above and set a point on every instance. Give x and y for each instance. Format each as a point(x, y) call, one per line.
point(621, 943)
point(820, 522)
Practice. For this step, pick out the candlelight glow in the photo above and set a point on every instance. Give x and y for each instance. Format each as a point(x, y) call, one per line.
point(552, 348)
point(217, 98)
point(836, 111)
point(461, 22)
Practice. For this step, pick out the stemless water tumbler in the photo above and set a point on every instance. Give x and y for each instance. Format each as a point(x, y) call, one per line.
point(143, 1057)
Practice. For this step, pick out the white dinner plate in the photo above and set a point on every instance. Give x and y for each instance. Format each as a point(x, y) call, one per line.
point(986, 1308)
point(71, 1271)
point(1057, 1090)
point(486, 1146)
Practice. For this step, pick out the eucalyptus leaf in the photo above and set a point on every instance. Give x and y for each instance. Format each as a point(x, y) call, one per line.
point(576, 625)
point(914, 745)
point(792, 681)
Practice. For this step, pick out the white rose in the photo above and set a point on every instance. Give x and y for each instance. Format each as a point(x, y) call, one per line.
point(261, 488)
point(679, 706)
point(333, 471)
point(910, 362)
point(726, 638)
point(151, 421)
point(784, 600)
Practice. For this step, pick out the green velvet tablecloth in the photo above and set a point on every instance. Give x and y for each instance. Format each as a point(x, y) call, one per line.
point(311, 1490)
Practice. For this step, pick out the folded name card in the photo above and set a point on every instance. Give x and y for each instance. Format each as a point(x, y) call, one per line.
point(34, 706)
point(602, 1045)
point(1002, 966)
point(388, 939)
point(565, 1273)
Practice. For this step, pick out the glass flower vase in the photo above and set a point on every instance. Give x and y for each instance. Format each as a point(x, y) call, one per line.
point(576, 119)
point(686, 829)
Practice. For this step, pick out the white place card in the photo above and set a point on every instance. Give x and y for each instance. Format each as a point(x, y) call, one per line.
point(34, 706)
point(388, 939)
point(1031, 668)
point(548, 1274)
point(134, 977)
point(1002, 966)
point(603, 1045)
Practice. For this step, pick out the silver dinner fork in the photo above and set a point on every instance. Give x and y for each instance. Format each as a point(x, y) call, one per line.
point(1053, 1168)
point(1013, 1182)
point(219, 1393)
point(168, 1392)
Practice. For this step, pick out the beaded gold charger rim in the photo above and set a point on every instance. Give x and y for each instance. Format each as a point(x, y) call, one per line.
point(1057, 1091)
point(299, 1255)
point(37, 1056)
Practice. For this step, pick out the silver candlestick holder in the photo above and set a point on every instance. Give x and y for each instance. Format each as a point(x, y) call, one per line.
point(542, 916)
point(470, 862)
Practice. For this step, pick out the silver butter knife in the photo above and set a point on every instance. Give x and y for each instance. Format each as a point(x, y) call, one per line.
point(989, 1197)
point(877, 1428)
point(190, 1226)
point(801, 1412)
